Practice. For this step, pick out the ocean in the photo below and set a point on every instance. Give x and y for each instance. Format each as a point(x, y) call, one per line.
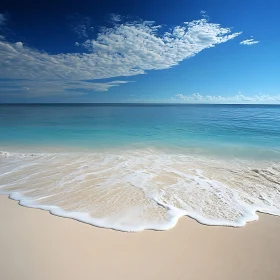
point(132, 167)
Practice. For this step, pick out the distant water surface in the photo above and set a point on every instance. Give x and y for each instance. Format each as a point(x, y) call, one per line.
point(103, 126)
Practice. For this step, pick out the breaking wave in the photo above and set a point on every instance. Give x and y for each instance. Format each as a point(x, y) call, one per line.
point(141, 189)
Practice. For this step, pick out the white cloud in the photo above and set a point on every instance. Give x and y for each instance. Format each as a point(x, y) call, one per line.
point(115, 17)
point(137, 48)
point(238, 98)
point(249, 42)
point(126, 49)
point(2, 19)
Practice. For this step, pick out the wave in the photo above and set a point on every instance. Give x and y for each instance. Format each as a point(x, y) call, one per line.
point(134, 190)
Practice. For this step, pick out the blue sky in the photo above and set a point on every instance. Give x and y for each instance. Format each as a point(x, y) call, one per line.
point(140, 51)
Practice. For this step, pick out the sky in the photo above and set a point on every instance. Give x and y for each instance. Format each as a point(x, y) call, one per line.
point(179, 51)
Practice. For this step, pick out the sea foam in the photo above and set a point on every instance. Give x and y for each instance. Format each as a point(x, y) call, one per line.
point(141, 189)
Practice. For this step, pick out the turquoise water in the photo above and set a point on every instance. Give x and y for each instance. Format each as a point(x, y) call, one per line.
point(136, 167)
point(231, 129)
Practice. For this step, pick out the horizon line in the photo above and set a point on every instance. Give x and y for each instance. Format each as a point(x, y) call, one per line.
point(129, 103)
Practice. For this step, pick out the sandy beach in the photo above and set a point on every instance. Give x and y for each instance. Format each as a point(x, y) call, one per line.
point(37, 245)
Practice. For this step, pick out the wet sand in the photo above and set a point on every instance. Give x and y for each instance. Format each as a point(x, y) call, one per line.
point(37, 245)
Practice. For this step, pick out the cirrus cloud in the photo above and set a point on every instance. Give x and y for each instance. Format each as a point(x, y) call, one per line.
point(124, 50)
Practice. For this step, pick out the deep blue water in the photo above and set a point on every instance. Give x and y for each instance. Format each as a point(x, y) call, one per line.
point(220, 128)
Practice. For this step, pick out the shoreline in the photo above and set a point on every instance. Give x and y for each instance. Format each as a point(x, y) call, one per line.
point(36, 245)
point(133, 192)
point(208, 151)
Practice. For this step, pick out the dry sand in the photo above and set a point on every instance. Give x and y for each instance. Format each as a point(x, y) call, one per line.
point(37, 245)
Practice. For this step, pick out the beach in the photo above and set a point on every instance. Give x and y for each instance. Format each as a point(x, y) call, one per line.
point(139, 140)
point(37, 245)
point(139, 192)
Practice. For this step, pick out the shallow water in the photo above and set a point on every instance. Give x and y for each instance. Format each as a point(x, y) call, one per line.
point(143, 167)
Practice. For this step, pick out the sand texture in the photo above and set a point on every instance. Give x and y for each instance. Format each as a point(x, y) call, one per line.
point(37, 245)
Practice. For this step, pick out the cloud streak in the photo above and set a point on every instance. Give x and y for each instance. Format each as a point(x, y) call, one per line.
point(249, 42)
point(238, 98)
point(35, 88)
point(124, 50)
